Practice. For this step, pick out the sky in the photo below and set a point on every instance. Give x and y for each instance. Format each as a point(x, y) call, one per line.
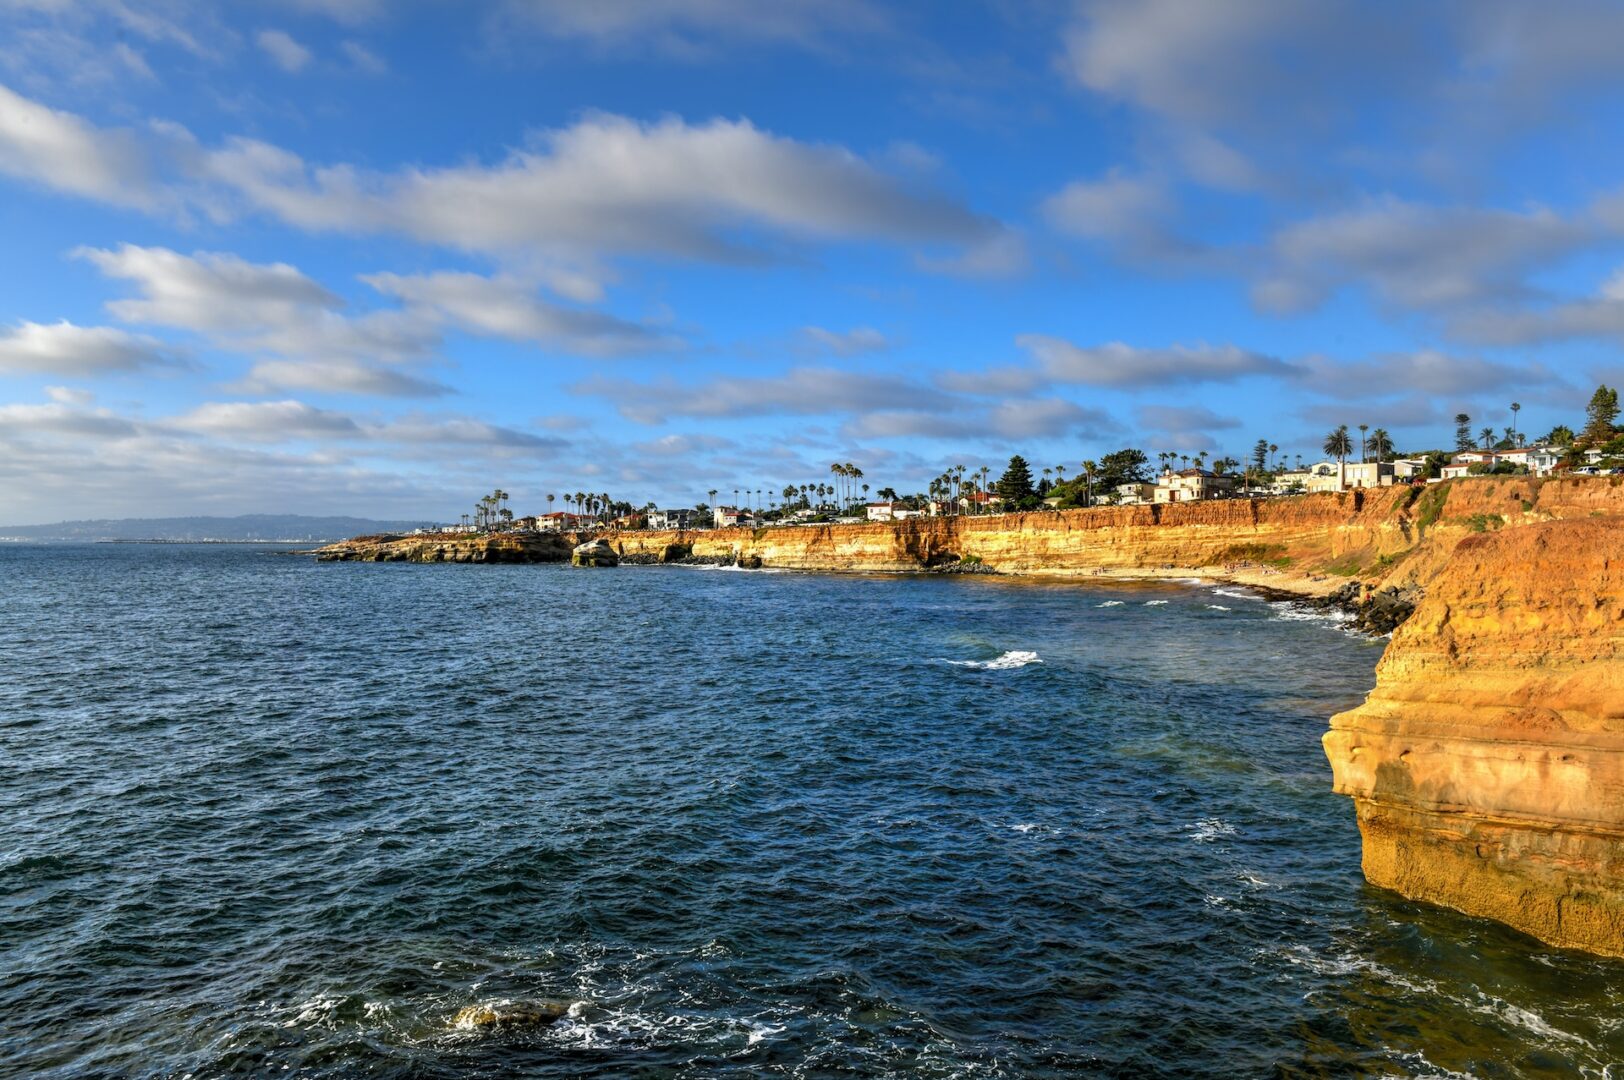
point(356, 256)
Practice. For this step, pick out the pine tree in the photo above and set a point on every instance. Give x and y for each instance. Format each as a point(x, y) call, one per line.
point(1463, 432)
point(1016, 483)
point(1599, 416)
point(1260, 455)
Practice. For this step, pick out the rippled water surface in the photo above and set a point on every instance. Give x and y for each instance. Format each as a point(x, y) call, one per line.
point(264, 816)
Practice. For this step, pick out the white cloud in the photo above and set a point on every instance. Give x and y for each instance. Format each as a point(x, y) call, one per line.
point(63, 420)
point(853, 342)
point(285, 52)
point(69, 395)
point(208, 290)
point(266, 421)
point(1002, 254)
point(1114, 207)
point(65, 349)
point(1414, 256)
point(1427, 371)
point(1183, 418)
point(337, 376)
point(686, 27)
point(1120, 365)
point(612, 185)
point(60, 150)
point(505, 307)
point(364, 59)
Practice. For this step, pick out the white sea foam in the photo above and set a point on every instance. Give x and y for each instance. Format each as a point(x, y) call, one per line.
point(1217, 607)
point(1111, 603)
point(1234, 594)
point(1209, 829)
point(1015, 658)
point(1154, 603)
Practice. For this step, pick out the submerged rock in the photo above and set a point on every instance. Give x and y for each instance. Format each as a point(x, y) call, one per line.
point(510, 1015)
point(594, 553)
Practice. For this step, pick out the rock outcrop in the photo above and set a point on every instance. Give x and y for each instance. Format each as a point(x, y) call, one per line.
point(452, 547)
point(594, 553)
point(1487, 766)
point(507, 1014)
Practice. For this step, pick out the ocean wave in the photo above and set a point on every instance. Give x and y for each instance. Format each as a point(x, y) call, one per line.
point(1015, 658)
point(1154, 603)
point(1218, 607)
point(1234, 594)
point(1209, 829)
point(1111, 603)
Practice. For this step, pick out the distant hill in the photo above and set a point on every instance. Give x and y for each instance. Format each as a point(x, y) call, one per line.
point(297, 527)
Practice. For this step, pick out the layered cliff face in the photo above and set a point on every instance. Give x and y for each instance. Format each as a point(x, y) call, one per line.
point(1487, 766)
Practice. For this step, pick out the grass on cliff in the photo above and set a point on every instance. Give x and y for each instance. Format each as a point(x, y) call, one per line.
point(1430, 506)
point(1268, 554)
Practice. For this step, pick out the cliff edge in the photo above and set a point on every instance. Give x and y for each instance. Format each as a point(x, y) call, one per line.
point(1487, 766)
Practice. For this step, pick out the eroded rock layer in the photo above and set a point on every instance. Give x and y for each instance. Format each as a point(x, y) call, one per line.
point(1487, 766)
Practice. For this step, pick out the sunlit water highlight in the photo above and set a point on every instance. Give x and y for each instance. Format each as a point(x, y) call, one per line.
point(266, 816)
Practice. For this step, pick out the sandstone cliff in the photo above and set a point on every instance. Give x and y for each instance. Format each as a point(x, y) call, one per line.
point(1487, 766)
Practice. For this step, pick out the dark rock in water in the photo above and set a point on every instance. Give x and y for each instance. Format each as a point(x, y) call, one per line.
point(750, 562)
point(701, 560)
point(641, 558)
point(511, 1015)
point(1379, 611)
point(594, 553)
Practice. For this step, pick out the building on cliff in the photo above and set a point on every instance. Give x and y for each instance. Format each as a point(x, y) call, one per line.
point(890, 511)
point(673, 519)
point(1190, 485)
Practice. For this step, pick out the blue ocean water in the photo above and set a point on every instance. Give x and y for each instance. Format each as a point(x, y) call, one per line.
point(264, 816)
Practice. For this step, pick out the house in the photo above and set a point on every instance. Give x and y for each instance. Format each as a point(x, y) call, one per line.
point(1290, 482)
point(980, 502)
point(725, 517)
point(1368, 474)
point(890, 511)
point(1191, 485)
point(1137, 493)
point(1406, 469)
point(1539, 460)
point(561, 521)
point(673, 519)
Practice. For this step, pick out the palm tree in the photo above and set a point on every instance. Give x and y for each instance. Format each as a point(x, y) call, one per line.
point(1274, 449)
point(1339, 446)
point(1381, 444)
point(1060, 471)
point(1362, 429)
point(1486, 437)
point(1090, 466)
point(1515, 409)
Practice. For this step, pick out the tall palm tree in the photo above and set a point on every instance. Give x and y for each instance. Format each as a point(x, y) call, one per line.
point(1090, 467)
point(1515, 409)
point(1381, 444)
point(1339, 445)
point(1274, 449)
point(1486, 437)
point(1362, 444)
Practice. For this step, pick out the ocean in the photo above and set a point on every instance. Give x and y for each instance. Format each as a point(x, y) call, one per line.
point(264, 816)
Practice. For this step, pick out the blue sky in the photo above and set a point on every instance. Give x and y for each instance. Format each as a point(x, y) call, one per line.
point(350, 255)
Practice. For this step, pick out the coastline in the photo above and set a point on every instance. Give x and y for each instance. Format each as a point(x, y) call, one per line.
point(1514, 653)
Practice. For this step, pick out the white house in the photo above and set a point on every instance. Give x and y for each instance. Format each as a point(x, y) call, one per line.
point(725, 517)
point(672, 519)
point(1135, 494)
point(1191, 485)
point(890, 511)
